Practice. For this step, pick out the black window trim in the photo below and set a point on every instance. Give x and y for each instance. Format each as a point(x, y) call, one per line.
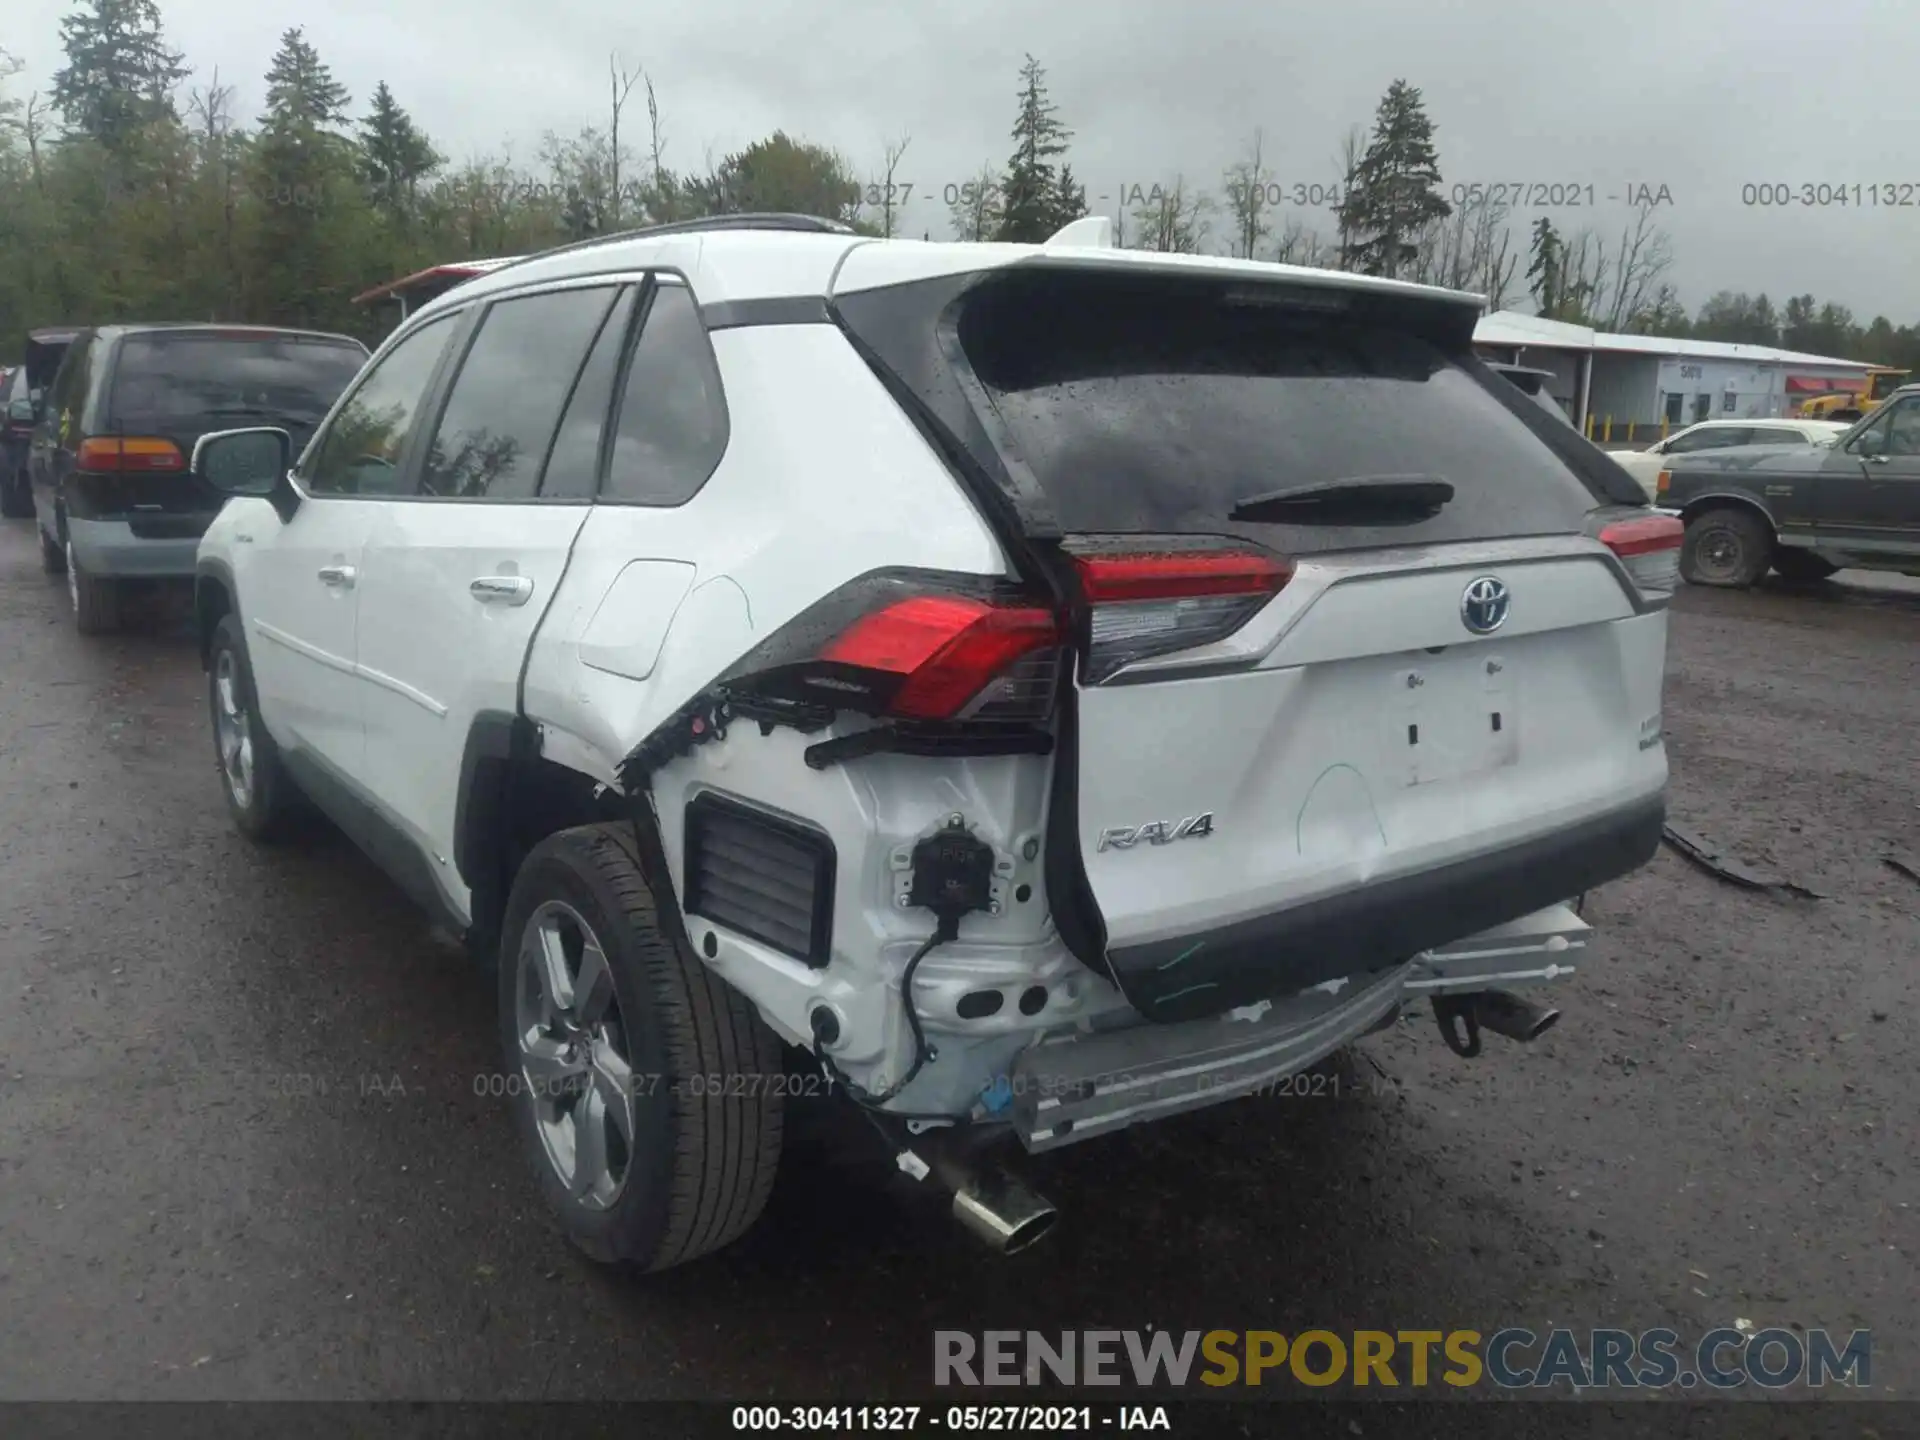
point(657, 280)
point(440, 392)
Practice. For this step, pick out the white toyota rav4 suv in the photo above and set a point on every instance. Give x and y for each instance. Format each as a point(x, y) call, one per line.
point(1025, 690)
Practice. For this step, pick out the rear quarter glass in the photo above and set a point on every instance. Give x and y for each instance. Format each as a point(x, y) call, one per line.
point(1145, 412)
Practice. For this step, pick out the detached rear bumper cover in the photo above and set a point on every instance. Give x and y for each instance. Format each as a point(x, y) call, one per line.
point(1082, 1086)
point(1282, 953)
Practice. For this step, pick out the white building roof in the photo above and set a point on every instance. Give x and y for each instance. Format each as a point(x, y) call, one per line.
point(1716, 350)
point(1512, 327)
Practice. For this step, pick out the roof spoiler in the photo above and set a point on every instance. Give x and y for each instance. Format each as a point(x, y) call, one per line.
point(1093, 231)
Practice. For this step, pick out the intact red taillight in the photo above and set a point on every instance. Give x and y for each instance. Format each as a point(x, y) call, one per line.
point(1156, 602)
point(949, 651)
point(1649, 547)
point(130, 454)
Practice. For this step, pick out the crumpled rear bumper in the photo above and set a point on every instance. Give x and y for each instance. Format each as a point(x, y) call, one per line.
point(1076, 1087)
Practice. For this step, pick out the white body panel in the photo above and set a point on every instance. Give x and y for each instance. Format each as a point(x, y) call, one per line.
point(443, 653)
point(818, 450)
point(302, 627)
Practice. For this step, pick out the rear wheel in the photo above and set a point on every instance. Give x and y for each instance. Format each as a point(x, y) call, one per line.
point(1801, 567)
point(96, 601)
point(1727, 548)
point(644, 1088)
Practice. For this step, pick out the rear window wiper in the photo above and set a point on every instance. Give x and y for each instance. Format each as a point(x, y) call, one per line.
point(1356, 500)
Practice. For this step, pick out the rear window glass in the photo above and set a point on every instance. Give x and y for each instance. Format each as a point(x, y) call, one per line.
point(1140, 412)
point(207, 381)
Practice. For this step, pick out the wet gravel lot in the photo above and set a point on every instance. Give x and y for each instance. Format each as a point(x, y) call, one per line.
point(246, 1149)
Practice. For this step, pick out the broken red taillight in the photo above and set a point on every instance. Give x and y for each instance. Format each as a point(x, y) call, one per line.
point(915, 646)
point(1156, 601)
point(1649, 547)
point(952, 654)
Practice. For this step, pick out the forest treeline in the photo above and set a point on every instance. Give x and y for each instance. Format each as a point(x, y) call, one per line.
point(130, 188)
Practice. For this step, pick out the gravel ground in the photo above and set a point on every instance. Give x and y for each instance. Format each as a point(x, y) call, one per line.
point(242, 1152)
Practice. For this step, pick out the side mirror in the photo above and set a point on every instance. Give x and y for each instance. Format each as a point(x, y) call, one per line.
point(244, 462)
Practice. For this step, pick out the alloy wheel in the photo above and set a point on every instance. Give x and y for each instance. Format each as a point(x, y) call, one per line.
point(232, 730)
point(575, 1065)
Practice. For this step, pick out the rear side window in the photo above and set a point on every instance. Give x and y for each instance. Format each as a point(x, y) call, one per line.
point(573, 469)
point(1149, 409)
point(505, 405)
point(672, 427)
point(70, 385)
point(199, 381)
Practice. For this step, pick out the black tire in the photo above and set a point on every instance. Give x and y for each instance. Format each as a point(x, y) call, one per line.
point(16, 497)
point(704, 1151)
point(96, 601)
point(1800, 567)
point(1727, 547)
point(53, 556)
point(268, 806)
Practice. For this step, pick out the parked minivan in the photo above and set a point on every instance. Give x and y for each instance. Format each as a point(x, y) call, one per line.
point(113, 493)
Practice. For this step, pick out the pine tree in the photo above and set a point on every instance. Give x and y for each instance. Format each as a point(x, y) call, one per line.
point(1395, 192)
point(119, 76)
point(1544, 269)
point(1030, 193)
point(1069, 199)
point(301, 92)
point(303, 173)
point(394, 155)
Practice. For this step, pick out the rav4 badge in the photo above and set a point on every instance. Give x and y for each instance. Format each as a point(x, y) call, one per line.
point(1155, 832)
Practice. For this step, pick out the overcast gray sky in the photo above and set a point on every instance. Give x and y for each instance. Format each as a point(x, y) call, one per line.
point(1703, 97)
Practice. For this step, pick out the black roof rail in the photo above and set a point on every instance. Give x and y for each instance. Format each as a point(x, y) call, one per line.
point(751, 220)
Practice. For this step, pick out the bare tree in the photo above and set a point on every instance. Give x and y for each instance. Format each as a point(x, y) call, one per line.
point(28, 117)
point(1249, 187)
point(621, 84)
point(1299, 245)
point(1471, 249)
point(659, 181)
point(888, 210)
point(1174, 221)
point(212, 115)
point(975, 208)
point(1640, 266)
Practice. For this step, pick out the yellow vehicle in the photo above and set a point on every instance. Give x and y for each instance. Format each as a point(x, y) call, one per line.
point(1881, 381)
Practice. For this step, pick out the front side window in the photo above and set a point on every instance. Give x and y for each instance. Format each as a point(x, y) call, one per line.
point(504, 407)
point(1903, 429)
point(672, 426)
point(361, 451)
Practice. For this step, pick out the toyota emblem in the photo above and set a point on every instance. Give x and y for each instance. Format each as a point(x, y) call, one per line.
point(1483, 608)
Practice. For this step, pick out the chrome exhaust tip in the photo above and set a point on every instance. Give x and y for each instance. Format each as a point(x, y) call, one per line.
point(1513, 1017)
point(1002, 1212)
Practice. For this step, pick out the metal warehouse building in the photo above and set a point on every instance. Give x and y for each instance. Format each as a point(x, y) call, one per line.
point(1638, 387)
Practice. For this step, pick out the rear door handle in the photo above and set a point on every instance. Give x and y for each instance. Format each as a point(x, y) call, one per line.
point(502, 589)
point(339, 576)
